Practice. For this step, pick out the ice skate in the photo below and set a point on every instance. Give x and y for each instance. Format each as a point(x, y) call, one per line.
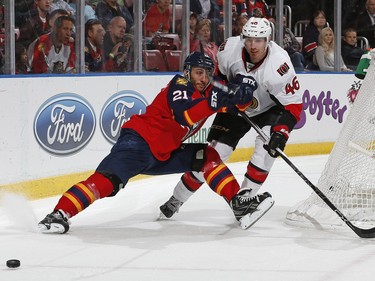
point(248, 210)
point(55, 222)
point(169, 208)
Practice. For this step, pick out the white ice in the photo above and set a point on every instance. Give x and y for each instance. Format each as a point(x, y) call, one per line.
point(120, 238)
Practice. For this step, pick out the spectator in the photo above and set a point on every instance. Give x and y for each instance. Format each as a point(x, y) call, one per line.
point(207, 9)
point(193, 28)
point(238, 23)
point(108, 9)
point(365, 24)
point(22, 65)
point(36, 23)
point(129, 5)
point(54, 52)
point(51, 21)
point(310, 39)
point(118, 47)
point(257, 8)
point(325, 52)
point(203, 32)
point(291, 45)
point(93, 3)
point(239, 7)
point(94, 33)
point(157, 18)
point(88, 11)
point(61, 4)
point(350, 53)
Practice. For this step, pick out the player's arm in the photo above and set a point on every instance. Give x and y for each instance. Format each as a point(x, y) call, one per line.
point(189, 106)
point(289, 98)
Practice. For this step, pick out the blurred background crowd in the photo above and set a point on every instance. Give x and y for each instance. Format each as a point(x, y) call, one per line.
point(52, 36)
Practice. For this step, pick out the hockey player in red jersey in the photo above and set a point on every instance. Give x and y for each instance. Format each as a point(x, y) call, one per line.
point(151, 143)
point(276, 107)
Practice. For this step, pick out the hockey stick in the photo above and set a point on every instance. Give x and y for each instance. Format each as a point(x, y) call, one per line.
point(363, 233)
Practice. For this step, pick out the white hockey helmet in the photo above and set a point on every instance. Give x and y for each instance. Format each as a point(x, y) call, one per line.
point(257, 27)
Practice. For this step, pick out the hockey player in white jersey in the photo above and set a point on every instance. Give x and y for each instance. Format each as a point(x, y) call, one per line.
point(276, 108)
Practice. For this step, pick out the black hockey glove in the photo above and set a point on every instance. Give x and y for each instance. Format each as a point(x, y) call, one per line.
point(239, 94)
point(246, 82)
point(247, 85)
point(279, 137)
point(220, 97)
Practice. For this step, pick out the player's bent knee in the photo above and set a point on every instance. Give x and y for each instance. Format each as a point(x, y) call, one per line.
point(212, 159)
point(115, 180)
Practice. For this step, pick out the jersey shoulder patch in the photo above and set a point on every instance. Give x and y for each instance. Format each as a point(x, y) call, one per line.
point(182, 81)
point(283, 69)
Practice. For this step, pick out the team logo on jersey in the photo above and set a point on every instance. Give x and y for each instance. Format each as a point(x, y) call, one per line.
point(64, 124)
point(254, 103)
point(41, 47)
point(283, 69)
point(181, 81)
point(117, 110)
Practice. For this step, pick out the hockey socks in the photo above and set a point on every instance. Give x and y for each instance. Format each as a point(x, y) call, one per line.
point(84, 193)
point(218, 176)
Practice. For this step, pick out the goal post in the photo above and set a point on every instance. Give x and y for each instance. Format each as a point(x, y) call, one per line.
point(348, 178)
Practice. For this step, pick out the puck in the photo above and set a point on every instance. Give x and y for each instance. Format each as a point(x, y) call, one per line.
point(13, 263)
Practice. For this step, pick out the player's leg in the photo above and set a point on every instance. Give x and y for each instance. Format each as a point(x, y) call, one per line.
point(261, 162)
point(200, 157)
point(258, 167)
point(247, 209)
point(189, 183)
point(228, 127)
point(128, 157)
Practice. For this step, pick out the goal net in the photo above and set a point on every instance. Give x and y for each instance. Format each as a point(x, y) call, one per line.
point(348, 179)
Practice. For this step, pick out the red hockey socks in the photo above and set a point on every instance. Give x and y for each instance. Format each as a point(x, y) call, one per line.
point(84, 193)
point(256, 174)
point(191, 182)
point(218, 176)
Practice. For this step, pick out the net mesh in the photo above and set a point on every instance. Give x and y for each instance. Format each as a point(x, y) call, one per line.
point(348, 178)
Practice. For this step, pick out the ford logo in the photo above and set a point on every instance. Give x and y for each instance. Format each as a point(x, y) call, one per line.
point(117, 110)
point(64, 124)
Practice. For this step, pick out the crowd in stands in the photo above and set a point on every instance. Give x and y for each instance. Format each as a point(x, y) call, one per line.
point(45, 42)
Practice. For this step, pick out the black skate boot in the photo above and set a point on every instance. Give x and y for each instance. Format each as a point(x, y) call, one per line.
point(248, 210)
point(55, 222)
point(170, 207)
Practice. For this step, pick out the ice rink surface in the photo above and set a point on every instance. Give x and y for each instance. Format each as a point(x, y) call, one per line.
point(120, 238)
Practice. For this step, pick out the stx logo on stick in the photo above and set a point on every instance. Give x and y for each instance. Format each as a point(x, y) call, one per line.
point(214, 99)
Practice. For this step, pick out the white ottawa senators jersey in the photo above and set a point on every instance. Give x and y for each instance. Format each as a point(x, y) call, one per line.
point(275, 75)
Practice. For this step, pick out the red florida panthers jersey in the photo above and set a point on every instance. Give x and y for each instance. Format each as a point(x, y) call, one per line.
point(46, 59)
point(176, 113)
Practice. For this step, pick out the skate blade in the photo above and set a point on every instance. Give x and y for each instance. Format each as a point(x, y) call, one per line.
point(249, 219)
point(162, 217)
